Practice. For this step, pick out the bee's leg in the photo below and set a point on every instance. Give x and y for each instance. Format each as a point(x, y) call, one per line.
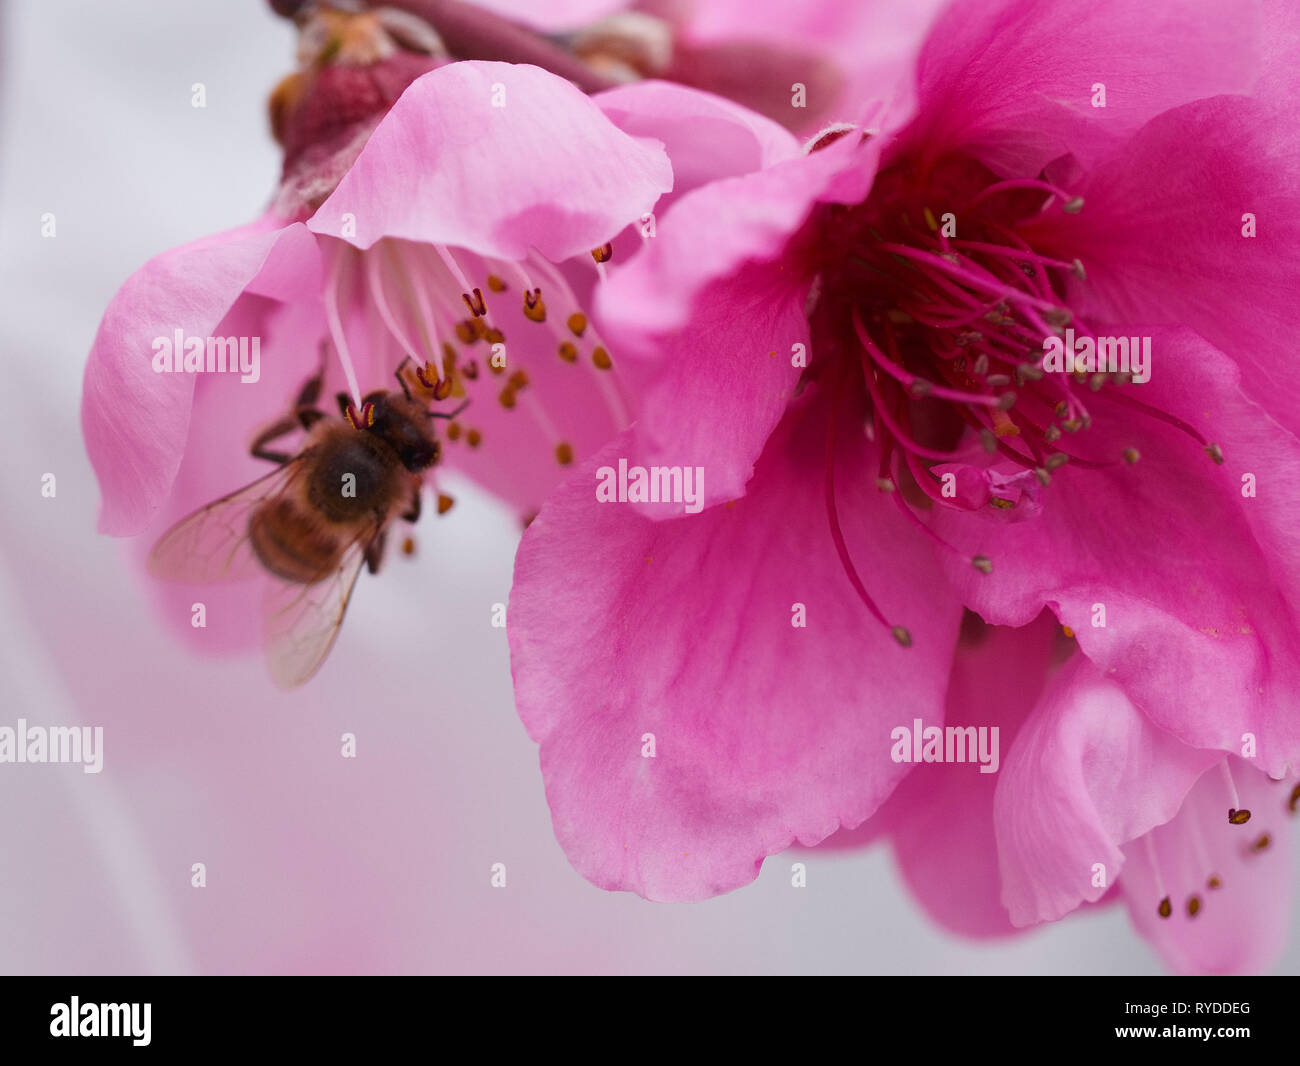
point(413, 512)
point(309, 394)
point(375, 551)
point(308, 416)
point(274, 431)
point(449, 414)
point(401, 380)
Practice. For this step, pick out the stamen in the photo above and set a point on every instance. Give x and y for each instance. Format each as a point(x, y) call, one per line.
point(334, 322)
point(1001, 251)
point(363, 419)
point(982, 563)
point(963, 274)
point(415, 282)
point(375, 285)
point(896, 429)
point(1126, 400)
point(1027, 183)
point(1202, 853)
point(1166, 907)
point(1235, 816)
point(900, 633)
point(609, 386)
point(534, 306)
point(919, 386)
point(466, 288)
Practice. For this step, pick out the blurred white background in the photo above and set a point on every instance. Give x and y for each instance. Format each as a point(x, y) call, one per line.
point(315, 863)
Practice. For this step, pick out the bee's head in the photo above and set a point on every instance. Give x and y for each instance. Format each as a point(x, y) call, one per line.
point(403, 424)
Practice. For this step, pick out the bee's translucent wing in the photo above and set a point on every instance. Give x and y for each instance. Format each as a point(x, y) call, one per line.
point(300, 622)
point(211, 545)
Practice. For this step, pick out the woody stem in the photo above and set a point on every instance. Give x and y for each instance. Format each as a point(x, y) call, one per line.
point(471, 32)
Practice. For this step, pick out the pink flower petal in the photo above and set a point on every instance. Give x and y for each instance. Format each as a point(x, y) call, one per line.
point(706, 137)
point(765, 733)
point(226, 415)
point(844, 54)
point(1239, 927)
point(940, 819)
point(707, 317)
point(1191, 572)
point(1088, 772)
point(135, 421)
point(543, 170)
point(1161, 238)
point(1012, 81)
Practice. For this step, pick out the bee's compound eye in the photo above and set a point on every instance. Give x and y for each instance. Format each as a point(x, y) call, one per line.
point(419, 456)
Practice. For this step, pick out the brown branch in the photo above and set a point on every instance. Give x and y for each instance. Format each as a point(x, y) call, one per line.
point(471, 32)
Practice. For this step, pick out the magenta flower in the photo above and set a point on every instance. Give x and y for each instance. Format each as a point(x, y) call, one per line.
point(441, 230)
point(850, 345)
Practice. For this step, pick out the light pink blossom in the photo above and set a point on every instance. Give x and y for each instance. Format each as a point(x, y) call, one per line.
point(395, 217)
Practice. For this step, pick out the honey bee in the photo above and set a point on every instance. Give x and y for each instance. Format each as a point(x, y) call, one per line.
point(312, 522)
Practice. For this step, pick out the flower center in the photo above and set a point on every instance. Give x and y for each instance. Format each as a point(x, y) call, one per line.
point(935, 312)
point(438, 315)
